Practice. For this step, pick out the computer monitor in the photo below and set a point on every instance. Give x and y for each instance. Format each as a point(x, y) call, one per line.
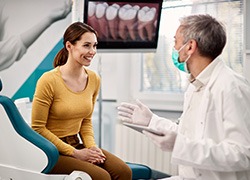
point(131, 25)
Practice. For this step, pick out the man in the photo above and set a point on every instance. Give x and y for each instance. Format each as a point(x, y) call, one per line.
point(212, 140)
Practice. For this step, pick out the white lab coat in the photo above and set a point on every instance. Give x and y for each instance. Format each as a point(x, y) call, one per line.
point(221, 148)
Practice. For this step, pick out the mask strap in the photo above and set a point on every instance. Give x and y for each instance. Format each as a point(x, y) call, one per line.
point(187, 58)
point(182, 47)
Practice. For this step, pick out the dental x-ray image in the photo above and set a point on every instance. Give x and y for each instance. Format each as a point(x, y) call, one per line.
point(124, 24)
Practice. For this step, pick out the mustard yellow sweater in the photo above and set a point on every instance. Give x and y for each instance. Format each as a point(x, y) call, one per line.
point(59, 112)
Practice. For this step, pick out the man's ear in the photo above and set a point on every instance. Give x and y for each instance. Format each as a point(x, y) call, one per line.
point(192, 46)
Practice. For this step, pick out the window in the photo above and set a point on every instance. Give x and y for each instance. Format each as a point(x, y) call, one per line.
point(158, 76)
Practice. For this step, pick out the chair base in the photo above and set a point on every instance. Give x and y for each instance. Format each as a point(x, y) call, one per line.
point(7, 172)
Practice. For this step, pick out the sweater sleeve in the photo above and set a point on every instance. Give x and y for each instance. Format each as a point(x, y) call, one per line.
point(86, 131)
point(41, 104)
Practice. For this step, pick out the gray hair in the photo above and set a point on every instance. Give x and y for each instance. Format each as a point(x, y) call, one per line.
point(209, 34)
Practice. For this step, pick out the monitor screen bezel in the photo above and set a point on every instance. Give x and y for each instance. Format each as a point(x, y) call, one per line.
point(131, 46)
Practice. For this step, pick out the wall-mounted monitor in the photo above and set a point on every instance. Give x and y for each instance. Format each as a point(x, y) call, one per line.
point(131, 25)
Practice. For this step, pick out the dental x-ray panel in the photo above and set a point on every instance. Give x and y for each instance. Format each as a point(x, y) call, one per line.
point(131, 25)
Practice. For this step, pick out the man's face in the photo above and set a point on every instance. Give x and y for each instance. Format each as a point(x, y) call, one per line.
point(179, 46)
point(178, 39)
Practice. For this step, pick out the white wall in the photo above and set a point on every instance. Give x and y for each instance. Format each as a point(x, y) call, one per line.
point(247, 38)
point(116, 73)
point(22, 15)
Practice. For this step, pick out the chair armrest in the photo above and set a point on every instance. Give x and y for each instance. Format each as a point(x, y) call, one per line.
point(25, 131)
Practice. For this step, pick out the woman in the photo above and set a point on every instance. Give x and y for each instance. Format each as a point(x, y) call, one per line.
point(63, 105)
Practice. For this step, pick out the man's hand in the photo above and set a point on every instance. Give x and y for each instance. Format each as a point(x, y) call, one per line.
point(135, 113)
point(165, 143)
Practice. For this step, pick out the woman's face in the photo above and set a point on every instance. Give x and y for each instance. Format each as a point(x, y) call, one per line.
point(84, 50)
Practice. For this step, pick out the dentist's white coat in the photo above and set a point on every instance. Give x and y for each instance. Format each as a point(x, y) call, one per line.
point(221, 148)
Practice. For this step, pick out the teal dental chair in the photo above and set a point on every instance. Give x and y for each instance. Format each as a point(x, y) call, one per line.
point(143, 172)
point(24, 154)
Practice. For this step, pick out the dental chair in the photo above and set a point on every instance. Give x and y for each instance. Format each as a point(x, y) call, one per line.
point(24, 154)
point(143, 172)
point(27, 155)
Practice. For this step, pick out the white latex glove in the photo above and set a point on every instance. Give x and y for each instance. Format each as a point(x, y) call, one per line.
point(165, 143)
point(135, 113)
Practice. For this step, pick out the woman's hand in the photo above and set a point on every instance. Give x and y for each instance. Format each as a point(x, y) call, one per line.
point(93, 155)
point(98, 150)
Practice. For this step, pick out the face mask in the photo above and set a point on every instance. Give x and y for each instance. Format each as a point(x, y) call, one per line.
point(175, 58)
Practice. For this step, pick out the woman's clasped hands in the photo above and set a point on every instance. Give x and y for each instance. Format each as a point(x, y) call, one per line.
point(93, 155)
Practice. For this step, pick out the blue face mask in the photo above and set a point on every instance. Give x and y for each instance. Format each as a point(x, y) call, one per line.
point(175, 58)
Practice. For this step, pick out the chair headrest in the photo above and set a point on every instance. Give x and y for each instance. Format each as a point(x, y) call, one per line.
point(1, 85)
